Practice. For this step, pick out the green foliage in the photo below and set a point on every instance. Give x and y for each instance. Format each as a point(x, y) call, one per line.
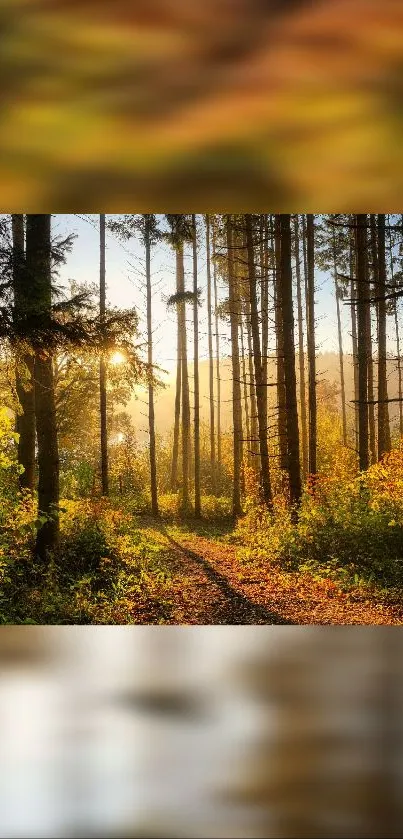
point(109, 568)
point(350, 530)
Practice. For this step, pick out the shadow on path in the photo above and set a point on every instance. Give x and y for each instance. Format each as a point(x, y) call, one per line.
point(239, 609)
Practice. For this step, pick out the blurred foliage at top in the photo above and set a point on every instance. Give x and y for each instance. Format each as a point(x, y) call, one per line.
point(224, 104)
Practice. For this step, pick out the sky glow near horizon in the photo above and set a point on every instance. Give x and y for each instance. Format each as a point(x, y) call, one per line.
point(125, 279)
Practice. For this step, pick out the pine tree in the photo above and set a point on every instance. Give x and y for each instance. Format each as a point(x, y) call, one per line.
point(210, 357)
point(301, 352)
point(25, 423)
point(261, 387)
point(383, 412)
point(236, 372)
point(197, 504)
point(293, 460)
point(102, 363)
point(38, 266)
point(310, 246)
point(362, 343)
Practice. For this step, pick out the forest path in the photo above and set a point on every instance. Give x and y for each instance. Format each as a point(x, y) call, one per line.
point(212, 583)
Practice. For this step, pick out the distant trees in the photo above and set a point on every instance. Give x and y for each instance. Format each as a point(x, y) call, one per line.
point(265, 310)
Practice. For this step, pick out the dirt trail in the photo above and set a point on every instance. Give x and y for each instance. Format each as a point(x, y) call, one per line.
point(212, 586)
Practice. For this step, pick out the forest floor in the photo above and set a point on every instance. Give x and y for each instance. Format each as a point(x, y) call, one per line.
point(213, 582)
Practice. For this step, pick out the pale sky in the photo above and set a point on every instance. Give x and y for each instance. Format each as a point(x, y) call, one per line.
point(126, 288)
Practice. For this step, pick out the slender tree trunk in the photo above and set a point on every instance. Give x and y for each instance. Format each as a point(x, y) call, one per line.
point(218, 376)
point(362, 344)
point(261, 389)
point(245, 393)
point(196, 376)
point(38, 262)
point(211, 360)
point(340, 340)
point(236, 375)
point(399, 368)
point(178, 392)
point(399, 359)
point(102, 364)
point(151, 416)
point(281, 397)
point(25, 422)
point(289, 362)
point(254, 434)
point(353, 293)
point(264, 304)
point(310, 248)
point(383, 412)
point(185, 390)
point(301, 353)
point(371, 395)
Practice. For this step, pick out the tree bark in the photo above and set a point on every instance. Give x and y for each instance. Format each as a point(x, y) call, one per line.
point(278, 305)
point(294, 472)
point(353, 293)
point(178, 392)
point(245, 393)
point(102, 363)
point(236, 374)
point(211, 360)
point(301, 353)
point(399, 358)
point(197, 507)
point(310, 246)
point(261, 389)
point(254, 434)
point(218, 376)
point(340, 341)
point(362, 343)
point(25, 422)
point(38, 261)
point(383, 412)
point(151, 414)
point(185, 389)
point(264, 304)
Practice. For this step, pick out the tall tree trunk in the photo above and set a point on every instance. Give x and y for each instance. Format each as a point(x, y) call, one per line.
point(261, 389)
point(254, 434)
point(353, 294)
point(38, 262)
point(362, 344)
point(301, 353)
point(278, 307)
point(289, 362)
point(197, 509)
point(218, 376)
point(178, 392)
point(310, 250)
point(236, 374)
point(371, 395)
point(151, 415)
point(245, 393)
point(340, 341)
point(185, 389)
point(383, 412)
point(396, 319)
point(264, 304)
point(210, 360)
point(25, 422)
point(102, 363)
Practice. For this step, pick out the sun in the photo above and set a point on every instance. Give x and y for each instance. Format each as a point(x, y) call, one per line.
point(117, 358)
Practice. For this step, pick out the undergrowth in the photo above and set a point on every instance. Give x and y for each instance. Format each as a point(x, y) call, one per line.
point(349, 530)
